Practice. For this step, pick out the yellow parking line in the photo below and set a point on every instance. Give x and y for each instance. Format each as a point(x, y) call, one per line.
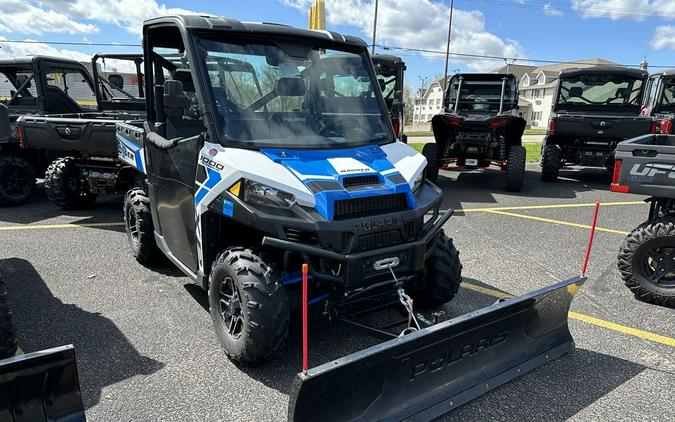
point(612, 326)
point(551, 206)
point(552, 221)
point(59, 226)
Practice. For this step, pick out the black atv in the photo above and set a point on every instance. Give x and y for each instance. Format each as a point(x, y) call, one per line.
point(28, 86)
point(594, 109)
point(480, 126)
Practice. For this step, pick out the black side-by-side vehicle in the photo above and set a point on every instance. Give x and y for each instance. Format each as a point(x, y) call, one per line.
point(594, 109)
point(480, 126)
point(390, 74)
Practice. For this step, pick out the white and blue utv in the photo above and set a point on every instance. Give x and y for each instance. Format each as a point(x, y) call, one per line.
point(267, 147)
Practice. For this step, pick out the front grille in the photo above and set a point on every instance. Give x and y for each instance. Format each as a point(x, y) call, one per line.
point(372, 205)
point(369, 179)
point(300, 236)
point(378, 240)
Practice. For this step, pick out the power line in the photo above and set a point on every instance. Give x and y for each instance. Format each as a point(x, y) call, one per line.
point(95, 44)
point(504, 58)
point(590, 10)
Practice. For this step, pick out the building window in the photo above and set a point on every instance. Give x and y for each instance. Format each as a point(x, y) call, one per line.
point(438, 101)
point(535, 116)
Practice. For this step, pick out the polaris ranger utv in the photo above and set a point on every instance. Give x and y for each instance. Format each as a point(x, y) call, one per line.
point(28, 85)
point(594, 109)
point(646, 166)
point(659, 101)
point(480, 126)
point(245, 188)
point(86, 139)
point(390, 72)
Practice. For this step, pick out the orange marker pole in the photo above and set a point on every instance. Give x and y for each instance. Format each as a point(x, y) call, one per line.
point(305, 358)
point(590, 238)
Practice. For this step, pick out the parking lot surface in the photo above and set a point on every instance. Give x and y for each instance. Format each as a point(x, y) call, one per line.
point(146, 349)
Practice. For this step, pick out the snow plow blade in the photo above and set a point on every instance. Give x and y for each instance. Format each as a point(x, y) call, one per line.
point(41, 386)
point(425, 374)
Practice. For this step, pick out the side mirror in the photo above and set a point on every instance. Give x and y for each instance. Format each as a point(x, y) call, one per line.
point(117, 81)
point(175, 100)
point(291, 87)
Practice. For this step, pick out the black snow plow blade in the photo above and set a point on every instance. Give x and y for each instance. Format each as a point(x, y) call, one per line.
point(41, 386)
point(427, 373)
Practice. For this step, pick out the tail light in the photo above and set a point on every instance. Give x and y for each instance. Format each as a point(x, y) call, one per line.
point(667, 126)
point(653, 128)
point(552, 126)
point(453, 121)
point(615, 186)
point(19, 135)
point(397, 127)
point(497, 122)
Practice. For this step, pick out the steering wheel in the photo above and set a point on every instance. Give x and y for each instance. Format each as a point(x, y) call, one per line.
point(340, 126)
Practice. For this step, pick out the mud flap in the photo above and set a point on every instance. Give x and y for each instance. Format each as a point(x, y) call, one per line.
point(41, 386)
point(427, 373)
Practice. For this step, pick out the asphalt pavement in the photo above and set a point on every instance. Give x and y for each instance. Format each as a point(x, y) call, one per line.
point(146, 349)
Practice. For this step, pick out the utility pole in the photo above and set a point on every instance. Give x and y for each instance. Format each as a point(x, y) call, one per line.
point(375, 27)
point(447, 48)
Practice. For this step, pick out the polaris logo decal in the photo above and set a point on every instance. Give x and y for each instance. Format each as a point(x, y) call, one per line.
point(648, 172)
point(453, 354)
point(206, 161)
point(348, 165)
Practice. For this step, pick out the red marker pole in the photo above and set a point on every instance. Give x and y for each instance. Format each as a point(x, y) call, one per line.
point(590, 238)
point(305, 359)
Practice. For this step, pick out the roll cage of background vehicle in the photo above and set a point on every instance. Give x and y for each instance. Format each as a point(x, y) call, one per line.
point(598, 88)
point(302, 123)
point(481, 94)
point(112, 93)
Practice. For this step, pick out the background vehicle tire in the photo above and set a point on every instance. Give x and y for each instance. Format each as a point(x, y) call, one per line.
point(17, 180)
point(515, 168)
point(249, 308)
point(64, 185)
point(139, 226)
point(647, 261)
point(550, 163)
point(7, 329)
point(442, 275)
point(430, 152)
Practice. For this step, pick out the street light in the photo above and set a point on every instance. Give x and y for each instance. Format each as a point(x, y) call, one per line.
point(375, 28)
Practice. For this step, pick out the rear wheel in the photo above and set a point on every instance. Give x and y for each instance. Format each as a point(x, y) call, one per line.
point(17, 180)
point(647, 261)
point(64, 184)
point(7, 329)
point(430, 152)
point(442, 274)
point(140, 230)
point(515, 168)
point(249, 308)
point(551, 159)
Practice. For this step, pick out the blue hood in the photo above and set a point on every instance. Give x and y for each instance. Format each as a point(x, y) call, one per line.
point(333, 175)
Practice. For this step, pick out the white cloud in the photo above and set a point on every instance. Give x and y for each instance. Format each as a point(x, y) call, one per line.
point(20, 16)
point(664, 38)
point(13, 49)
point(550, 10)
point(625, 9)
point(420, 24)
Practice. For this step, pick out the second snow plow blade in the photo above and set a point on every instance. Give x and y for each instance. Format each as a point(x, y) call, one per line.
point(427, 373)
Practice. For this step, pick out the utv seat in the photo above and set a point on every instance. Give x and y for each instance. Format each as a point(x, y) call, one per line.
point(59, 102)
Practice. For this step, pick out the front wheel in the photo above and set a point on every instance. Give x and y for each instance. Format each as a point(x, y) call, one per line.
point(430, 152)
point(248, 306)
point(65, 186)
point(140, 229)
point(647, 261)
point(17, 180)
point(515, 168)
point(442, 274)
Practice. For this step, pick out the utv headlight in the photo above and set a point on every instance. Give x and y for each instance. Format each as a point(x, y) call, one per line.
point(259, 194)
point(418, 181)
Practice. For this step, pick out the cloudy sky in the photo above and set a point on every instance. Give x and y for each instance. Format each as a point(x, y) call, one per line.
point(620, 30)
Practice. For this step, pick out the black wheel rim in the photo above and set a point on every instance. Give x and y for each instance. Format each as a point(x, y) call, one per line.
point(230, 308)
point(14, 181)
point(658, 266)
point(132, 223)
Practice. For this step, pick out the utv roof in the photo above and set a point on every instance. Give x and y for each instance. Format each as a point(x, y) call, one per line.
point(669, 72)
point(387, 60)
point(23, 60)
point(615, 70)
point(207, 23)
point(484, 76)
point(118, 56)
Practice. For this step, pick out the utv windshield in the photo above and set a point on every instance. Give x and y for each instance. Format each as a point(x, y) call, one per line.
point(293, 95)
point(17, 86)
point(592, 90)
point(668, 98)
point(481, 95)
